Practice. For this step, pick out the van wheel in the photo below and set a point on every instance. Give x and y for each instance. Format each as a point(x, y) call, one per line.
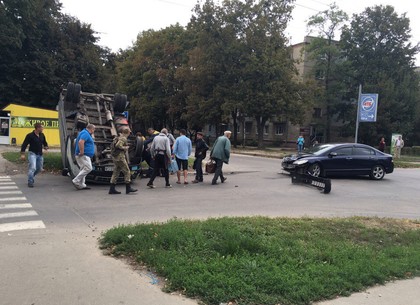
point(120, 101)
point(73, 168)
point(139, 147)
point(76, 94)
point(69, 93)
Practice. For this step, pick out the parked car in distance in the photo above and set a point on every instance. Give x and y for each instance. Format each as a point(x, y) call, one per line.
point(344, 159)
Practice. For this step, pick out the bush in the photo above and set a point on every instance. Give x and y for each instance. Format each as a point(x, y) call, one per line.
point(411, 151)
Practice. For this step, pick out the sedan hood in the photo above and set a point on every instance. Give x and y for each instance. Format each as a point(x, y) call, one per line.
point(295, 157)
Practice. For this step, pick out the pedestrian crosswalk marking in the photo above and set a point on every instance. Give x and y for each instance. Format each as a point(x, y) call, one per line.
point(18, 214)
point(15, 206)
point(9, 187)
point(13, 199)
point(10, 192)
point(12, 206)
point(23, 225)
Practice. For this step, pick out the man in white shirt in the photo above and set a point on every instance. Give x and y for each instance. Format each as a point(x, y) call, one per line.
point(399, 143)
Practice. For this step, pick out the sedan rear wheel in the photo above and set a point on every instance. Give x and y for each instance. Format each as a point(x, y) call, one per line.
point(377, 172)
point(314, 170)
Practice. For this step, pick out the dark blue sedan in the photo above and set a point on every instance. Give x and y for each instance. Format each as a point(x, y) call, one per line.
point(346, 159)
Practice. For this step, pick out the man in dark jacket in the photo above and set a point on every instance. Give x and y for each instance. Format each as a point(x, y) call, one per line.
point(221, 154)
point(36, 140)
point(201, 148)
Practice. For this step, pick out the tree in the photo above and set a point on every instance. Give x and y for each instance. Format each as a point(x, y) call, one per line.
point(268, 74)
point(148, 75)
point(381, 59)
point(241, 63)
point(325, 51)
point(205, 75)
point(42, 49)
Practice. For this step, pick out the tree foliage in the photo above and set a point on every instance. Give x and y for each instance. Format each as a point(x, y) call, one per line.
point(41, 49)
point(326, 54)
point(241, 63)
point(148, 74)
point(381, 59)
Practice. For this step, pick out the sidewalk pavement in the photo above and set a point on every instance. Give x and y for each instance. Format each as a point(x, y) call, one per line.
point(401, 292)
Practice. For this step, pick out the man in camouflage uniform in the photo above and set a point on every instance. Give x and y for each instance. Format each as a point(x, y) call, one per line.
point(120, 163)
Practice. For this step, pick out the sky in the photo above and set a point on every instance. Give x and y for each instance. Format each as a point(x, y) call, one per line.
point(119, 22)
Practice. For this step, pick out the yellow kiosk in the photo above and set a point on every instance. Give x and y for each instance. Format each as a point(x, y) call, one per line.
point(21, 120)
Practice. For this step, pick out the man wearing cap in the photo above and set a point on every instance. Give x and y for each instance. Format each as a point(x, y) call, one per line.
point(201, 148)
point(221, 154)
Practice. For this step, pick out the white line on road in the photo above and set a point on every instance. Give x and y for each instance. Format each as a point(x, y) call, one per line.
point(7, 183)
point(10, 192)
point(24, 225)
point(15, 206)
point(18, 214)
point(10, 187)
point(4, 177)
point(13, 199)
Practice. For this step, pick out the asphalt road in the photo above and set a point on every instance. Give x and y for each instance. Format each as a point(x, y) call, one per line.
point(60, 263)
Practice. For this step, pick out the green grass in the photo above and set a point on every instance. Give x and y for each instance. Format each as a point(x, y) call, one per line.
point(407, 162)
point(52, 160)
point(271, 261)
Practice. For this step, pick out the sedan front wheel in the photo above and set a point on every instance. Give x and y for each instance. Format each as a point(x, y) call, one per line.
point(314, 170)
point(377, 172)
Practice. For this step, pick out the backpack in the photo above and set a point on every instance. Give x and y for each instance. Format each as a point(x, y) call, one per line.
point(114, 149)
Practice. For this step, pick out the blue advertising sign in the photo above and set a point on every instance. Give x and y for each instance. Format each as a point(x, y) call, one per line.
point(368, 107)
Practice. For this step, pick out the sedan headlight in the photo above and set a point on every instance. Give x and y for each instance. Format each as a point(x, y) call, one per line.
point(300, 162)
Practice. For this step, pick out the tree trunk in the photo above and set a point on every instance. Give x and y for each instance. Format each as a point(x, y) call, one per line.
point(260, 128)
point(235, 128)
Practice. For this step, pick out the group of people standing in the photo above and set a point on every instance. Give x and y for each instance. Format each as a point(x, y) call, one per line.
point(162, 149)
point(162, 153)
point(398, 145)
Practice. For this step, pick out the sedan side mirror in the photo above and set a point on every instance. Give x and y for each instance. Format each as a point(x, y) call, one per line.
point(332, 154)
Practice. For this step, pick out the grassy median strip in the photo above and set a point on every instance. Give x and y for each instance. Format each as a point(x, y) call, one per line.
point(259, 260)
point(52, 160)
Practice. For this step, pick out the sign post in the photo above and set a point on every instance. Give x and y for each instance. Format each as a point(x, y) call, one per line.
point(357, 116)
point(367, 108)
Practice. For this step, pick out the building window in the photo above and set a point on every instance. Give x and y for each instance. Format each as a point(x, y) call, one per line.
point(266, 129)
point(280, 128)
point(238, 128)
point(248, 127)
point(317, 113)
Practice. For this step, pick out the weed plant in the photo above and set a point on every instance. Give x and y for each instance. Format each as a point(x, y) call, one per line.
point(258, 260)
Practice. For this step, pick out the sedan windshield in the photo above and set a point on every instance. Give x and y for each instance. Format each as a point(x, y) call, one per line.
point(318, 149)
